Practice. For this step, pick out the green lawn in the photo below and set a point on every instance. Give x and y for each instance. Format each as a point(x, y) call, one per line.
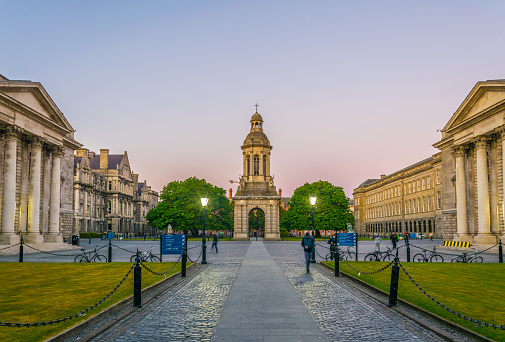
point(35, 292)
point(475, 290)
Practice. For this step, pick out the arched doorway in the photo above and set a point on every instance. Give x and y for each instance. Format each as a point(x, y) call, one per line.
point(256, 222)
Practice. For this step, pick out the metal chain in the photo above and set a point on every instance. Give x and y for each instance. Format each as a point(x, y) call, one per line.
point(1, 249)
point(322, 246)
point(158, 273)
point(201, 251)
point(369, 273)
point(81, 313)
point(194, 247)
point(62, 255)
point(123, 249)
point(474, 321)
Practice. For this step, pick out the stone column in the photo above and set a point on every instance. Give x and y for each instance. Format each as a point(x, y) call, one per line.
point(461, 205)
point(53, 235)
point(484, 230)
point(33, 228)
point(503, 171)
point(23, 187)
point(8, 236)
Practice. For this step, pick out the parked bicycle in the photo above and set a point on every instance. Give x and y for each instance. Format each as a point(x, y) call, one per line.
point(475, 257)
point(88, 257)
point(343, 255)
point(146, 256)
point(380, 256)
point(427, 255)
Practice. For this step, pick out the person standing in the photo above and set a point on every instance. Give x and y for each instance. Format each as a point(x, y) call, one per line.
point(308, 245)
point(406, 237)
point(377, 241)
point(332, 241)
point(215, 240)
point(393, 239)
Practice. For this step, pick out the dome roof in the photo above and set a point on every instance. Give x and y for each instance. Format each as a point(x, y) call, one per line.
point(256, 138)
point(256, 117)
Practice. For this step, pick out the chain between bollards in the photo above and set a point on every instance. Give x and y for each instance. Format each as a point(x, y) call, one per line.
point(393, 287)
point(137, 283)
point(500, 253)
point(336, 257)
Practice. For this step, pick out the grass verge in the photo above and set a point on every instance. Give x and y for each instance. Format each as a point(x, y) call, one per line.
point(35, 292)
point(474, 290)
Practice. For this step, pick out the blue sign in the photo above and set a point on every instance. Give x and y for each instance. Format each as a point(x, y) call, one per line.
point(346, 239)
point(412, 236)
point(172, 244)
point(110, 235)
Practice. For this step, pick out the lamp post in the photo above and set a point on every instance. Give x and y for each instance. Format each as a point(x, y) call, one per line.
point(313, 203)
point(204, 246)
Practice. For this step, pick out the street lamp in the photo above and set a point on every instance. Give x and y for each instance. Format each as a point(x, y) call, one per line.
point(204, 246)
point(313, 203)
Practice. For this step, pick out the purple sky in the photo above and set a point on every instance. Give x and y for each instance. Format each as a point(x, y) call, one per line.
point(348, 90)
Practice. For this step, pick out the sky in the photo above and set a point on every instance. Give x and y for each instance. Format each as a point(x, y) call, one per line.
point(348, 90)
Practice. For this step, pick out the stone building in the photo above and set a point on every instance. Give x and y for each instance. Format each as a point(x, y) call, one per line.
point(473, 166)
point(36, 165)
point(256, 190)
point(406, 200)
point(145, 200)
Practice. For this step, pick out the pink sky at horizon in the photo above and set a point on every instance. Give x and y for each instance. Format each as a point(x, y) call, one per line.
point(347, 90)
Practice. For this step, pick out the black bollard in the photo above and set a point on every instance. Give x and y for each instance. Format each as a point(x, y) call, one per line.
point(89, 240)
point(356, 248)
point(500, 253)
point(393, 288)
point(408, 251)
point(336, 257)
point(137, 284)
point(184, 260)
point(110, 251)
point(21, 249)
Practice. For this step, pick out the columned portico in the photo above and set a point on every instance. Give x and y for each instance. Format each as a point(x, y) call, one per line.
point(33, 229)
point(462, 218)
point(8, 235)
point(484, 221)
point(53, 234)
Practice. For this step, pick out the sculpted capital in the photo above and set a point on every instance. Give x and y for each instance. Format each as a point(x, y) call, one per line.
point(13, 131)
point(481, 142)
point(58, 151)
point(459, 151)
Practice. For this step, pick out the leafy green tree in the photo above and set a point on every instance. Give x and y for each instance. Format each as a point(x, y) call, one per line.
point(257, 219)
point(181, 208)
point(331, 211)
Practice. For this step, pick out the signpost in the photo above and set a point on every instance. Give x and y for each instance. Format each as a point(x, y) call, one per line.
point(348, 239)
point(172, 244)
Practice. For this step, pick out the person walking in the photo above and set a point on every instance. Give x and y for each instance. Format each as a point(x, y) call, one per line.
point(377, 241)
point(406, 237)
point(332, 241)
point(215, 240)
point(394, 239)
point(308, 245)
point(431, 236)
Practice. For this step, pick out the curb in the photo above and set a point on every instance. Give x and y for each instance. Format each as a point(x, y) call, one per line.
point(116, 307)
point(379, 295)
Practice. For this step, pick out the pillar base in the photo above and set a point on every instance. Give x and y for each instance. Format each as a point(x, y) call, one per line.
point(485, 239)
point(9, 239)
point(463, 238)
point(272, 237)
point(53, 238)
point(33, 238)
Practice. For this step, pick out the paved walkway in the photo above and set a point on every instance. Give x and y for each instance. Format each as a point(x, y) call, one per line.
point(264, 306)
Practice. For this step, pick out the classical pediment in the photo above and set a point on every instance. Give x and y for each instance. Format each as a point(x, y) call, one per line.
point(485, 99)
point(31, 98)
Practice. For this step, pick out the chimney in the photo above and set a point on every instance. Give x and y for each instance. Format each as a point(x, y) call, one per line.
point(231, 192)
point(383, 176)
point(91, 154)
point(135, 178)
point(104, 159)
point(148, 188)
point(81, 152)
point(280, 192)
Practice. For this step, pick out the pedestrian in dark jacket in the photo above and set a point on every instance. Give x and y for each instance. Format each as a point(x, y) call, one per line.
point(394, 239)
point(332, 241)
point(215, 240)
point(308, 245)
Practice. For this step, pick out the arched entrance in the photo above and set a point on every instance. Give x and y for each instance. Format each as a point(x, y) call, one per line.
point(256, 223)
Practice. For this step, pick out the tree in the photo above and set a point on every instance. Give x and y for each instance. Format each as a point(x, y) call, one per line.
point(181, 208)
point(331, 211)
point(257, 219)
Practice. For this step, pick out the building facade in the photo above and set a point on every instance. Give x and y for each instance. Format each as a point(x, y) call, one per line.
point(256, 190)
point(36, 165)
point(145, 200)
point(407, 200)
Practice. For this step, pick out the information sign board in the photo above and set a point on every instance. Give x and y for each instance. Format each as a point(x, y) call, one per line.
point(110, 235)
point(172, 244)
point(346, 239)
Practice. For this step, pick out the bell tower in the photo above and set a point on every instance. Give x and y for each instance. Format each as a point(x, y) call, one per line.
point(256, 188)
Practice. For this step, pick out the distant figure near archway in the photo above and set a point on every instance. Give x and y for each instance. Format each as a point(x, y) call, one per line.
point(256, 188)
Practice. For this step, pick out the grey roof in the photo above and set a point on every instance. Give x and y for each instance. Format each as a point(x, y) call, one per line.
point(114, 160)
point(367, 182)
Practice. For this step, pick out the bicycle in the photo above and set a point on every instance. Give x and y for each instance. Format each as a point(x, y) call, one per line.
point(427, 255)
point(146, 256)
point(343, 255)
point(378, 256)
point(91, 258)
point(473, 258)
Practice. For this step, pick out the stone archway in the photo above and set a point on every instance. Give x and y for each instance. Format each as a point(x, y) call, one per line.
point(268, 204)
point(256, 223)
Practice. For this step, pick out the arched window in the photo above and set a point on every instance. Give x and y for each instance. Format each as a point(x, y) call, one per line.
point(256, 165)
point(248, 165)
point(264, 165)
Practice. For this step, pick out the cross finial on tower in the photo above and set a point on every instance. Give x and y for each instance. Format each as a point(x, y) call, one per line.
point(256, 105)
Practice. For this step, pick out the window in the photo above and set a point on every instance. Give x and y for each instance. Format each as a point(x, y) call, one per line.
point(424, 204)
point(418, 185)
point(248, 165)
point(414, 186)
point(109, 208)
point(428, 183)
point(438, 176)
point(110, 185)
point(264, 165)
point(424, 183)
point(429, 203)
point(439, 200)
point(256, 165)
point(410, 188)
